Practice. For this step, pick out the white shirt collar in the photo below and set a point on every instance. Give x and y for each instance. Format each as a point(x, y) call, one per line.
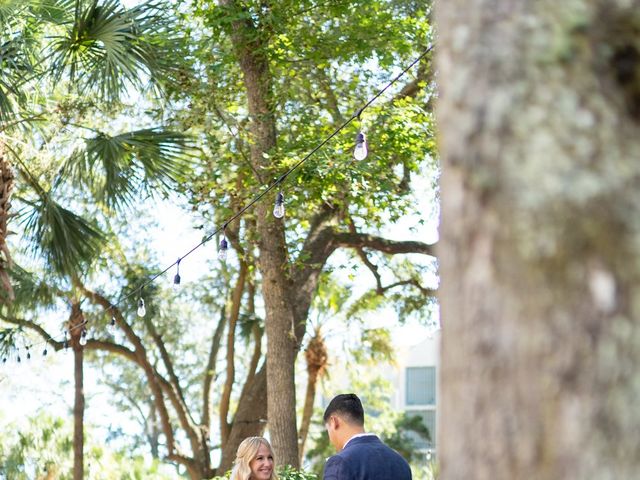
point(357, 436)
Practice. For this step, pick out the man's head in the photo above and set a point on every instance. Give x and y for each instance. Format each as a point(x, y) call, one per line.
point(343, 418)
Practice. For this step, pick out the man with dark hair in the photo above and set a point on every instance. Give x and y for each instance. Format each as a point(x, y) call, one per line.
point(361, 456)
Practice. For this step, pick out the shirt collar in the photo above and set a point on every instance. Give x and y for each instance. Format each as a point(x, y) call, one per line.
point(358, 436)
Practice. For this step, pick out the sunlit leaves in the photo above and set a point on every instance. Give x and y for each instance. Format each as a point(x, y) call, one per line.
point(105, 49)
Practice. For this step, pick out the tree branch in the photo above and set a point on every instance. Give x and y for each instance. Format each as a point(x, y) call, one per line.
point(257, 339)
point(424, 75)
point(210, 373)
point(141, 359)
point(234, 312)
point(430, 292)
point(365, 259)
point(36, 328)
point(360, 240)
point(173, 389)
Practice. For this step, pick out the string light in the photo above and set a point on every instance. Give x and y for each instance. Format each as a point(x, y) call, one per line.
point(224, 247)
point(361, 150)
point(142, 311)
point(44, 352)
point(278, 209)
point(112, 325)
point(28, 353)
point(176, 278)
point(83, 337)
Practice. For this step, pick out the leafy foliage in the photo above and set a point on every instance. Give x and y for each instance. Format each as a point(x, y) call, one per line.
point(43, 448)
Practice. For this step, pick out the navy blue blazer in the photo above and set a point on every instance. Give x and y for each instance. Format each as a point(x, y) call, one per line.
point(367, 458)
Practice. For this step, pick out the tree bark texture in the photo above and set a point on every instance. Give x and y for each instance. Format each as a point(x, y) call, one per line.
point(76, 323)
point(539, 119)
point(78, 414)
point(6, 187)
point(250, 47)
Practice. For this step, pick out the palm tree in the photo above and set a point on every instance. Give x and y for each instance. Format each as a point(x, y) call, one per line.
point(60, 61)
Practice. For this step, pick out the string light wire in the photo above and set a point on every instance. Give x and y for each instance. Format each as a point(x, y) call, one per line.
point(276, 183)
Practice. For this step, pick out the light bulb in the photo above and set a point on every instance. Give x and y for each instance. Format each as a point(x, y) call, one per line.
point(222, 251)
point(176, 279)
point(142, 311)
point(44, 352)
point(83, 337)
point(361, 151)
point(278, 209)
point(112, 325)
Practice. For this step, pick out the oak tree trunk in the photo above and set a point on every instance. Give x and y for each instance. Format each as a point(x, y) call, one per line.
point(251, 50)
point(539, 115)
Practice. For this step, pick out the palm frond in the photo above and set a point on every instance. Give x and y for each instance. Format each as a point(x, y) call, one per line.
point(106, 49)
point(18, 65)
point(53, 11)
point(9, 10)
point(115, 168)
point(67, 241)
point(30, 291)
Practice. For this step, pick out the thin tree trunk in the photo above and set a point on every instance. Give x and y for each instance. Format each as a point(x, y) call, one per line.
point(6, 187)
point(249, 420)
point(76, 325)
point(317, 357)
point(234, 313)
point(539, 115)
point(78, 414)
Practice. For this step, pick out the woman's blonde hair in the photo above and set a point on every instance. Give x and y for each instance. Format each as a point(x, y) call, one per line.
point(247, 451)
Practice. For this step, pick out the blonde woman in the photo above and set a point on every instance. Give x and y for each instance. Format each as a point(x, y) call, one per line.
point(254, 460)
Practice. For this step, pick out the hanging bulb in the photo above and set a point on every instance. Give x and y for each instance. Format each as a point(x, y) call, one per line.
point(112, 325)
point(176, 279)
point(278, 209)
point(83, 337)
point(222, 250)
point(142, 311)
point(28, 354)
point(361, 150)
point(44, 352)
point(65, 344)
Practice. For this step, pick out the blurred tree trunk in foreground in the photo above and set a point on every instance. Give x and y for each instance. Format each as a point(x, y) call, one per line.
point(540, 244)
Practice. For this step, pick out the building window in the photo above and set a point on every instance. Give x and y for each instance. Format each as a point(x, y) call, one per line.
point(428, 419)
point(421, 386)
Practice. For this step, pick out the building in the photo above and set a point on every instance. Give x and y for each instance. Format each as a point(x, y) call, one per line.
point(416, 379)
